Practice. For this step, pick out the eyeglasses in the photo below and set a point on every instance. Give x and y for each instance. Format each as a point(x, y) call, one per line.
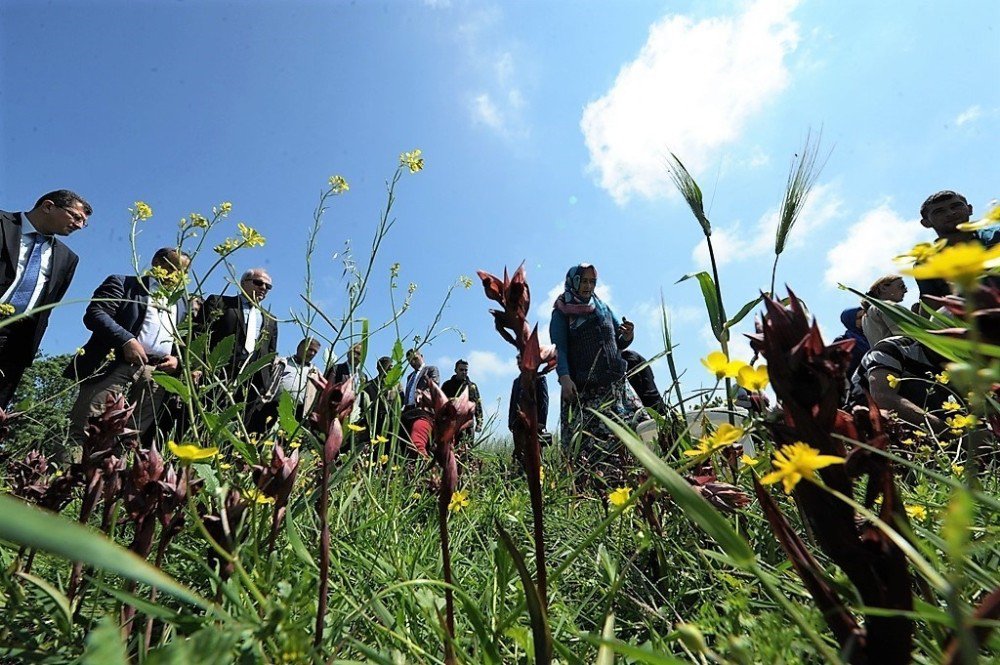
point(261, 283)
point(77, 217)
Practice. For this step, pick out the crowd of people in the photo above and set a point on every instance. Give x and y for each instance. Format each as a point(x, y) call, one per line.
point(136, 329)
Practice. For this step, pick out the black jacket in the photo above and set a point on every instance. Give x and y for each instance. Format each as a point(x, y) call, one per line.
point(222, 316)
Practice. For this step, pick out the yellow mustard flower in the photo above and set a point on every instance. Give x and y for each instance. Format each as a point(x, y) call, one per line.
point(198, 221)
point(381, 439)
point(225, 466)
point(908, 441)
point(962, 263)
point(192, 452)
point(541, 474)
point(943, 378)
point(251, 237)
point(749, 461)
point(620, 496)
point(228, 246)
point(355, 428)
point(957, 469)
point(6, 309)
point(383, 459)
point(459, 500)
point(412, 160)
point(224, 209)
point(922, 251)
point(338, 185)
point(951, 405)
point(992, 218)
point(892, 380)
point(465, 281)
point(141, 211)
point(918, 513)
point(795, 462)
point(753, 379)
point(295, 444)
point(721, 366)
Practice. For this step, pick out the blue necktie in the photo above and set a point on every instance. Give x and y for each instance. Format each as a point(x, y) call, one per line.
point(29, 278)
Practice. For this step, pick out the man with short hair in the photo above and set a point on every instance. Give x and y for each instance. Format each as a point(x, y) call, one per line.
point(417, 420)
point(541, 413)
point(454, 386)
point(293, 375)
point(255, 333)
point(36, 268)
point(943, 212)
point(134, 321)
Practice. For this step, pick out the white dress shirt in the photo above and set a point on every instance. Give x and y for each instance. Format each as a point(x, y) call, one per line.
point(28, 234)
point(158, 327)
point(295, 379)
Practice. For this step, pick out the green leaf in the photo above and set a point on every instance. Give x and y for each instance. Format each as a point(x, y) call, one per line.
point(639, 654)
point(223, 351)
point(693, 505)
point(541, 633)
point(104, 645)
point(207, 473)
point(710, 296)
point(740, 315)
point(255, 367)
point(172, 384)
point(27, 525)
point(286, 412)
point(60, 600)
point(298, 547)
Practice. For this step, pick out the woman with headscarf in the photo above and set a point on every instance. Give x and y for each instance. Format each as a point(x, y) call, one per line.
point(591, 373)
point(851, 318)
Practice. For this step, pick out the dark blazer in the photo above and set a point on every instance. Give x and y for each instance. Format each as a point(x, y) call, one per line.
point(19, 342)
point(114, 323)
point(222, 316)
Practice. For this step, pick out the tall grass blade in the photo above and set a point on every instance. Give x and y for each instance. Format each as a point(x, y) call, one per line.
point(36, 528)
point(541, 633)
point(690, 190)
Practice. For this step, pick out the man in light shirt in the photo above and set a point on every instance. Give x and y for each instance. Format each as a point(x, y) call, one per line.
point(35, 270)
point(134, 322)
point(293, 373)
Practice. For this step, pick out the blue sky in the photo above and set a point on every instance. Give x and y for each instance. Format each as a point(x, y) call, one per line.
point(544, 127)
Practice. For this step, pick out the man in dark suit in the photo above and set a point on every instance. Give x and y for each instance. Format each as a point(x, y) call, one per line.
point(35, 270)
point(255, 334)
point(418, 420)
point(135, 323)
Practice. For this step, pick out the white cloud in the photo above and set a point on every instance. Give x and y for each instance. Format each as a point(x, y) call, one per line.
point(869, 245)
point(486, 112)
point(970, 114)
point(731, 245)
point(691, 90)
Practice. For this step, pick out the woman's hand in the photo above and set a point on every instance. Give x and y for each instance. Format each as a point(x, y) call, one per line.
point(568, 388)
point(626, 330)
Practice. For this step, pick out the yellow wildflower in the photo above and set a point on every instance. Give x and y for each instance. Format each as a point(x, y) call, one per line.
point(251, 237)
point(268, 442)
point(962, 263)
point(907, 442)
point(620, 496)
point(227, 246)
point(381, 439)
point(922, 251)
point(465, 281)
point(355, 428)
point(192, 452)
point(225, 466)
point(795, 462)
point(957, 469)
point(80, 351)
point(992, 218)
point(916, 512)
point(141, 211)
point(224, 209)
point(951, 405)
point(459, 500)
point(198, 221)
point(6, 309)
point(749, 461)
point(257, 496)
point(943, 378)
point(338, 185)
point(295, 444)
point(960, 423)
point(541, 474)
point(412, 160)
point(718, 363)
point(753, 379)
point(383, 459)
point(892, 380)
